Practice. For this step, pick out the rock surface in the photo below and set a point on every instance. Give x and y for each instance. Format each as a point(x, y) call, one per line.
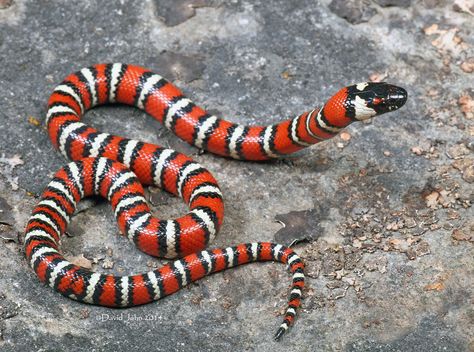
point(383, 215)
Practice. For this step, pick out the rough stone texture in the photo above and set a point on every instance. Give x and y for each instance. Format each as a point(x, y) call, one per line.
point(387, 208)
point(401, 3)
point(354, 11)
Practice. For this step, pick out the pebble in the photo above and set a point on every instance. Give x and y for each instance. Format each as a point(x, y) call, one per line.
point(353, 11)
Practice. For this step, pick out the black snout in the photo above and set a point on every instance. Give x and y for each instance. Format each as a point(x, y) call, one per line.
point(397, 96)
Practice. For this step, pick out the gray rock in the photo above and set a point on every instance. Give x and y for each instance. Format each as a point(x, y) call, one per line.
point(364, 204)
point(353, 11)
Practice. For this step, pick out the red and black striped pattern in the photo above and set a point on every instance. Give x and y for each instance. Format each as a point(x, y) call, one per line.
point(116, 168)
point(114, 181)
point(137, 86)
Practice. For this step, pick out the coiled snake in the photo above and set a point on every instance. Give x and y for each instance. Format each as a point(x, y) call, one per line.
point(116, 168)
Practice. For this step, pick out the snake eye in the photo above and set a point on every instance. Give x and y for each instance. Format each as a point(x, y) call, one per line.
point(377, 101)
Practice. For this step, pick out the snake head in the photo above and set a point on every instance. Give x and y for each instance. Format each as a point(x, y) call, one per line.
point(366, 100)
point(360, 102)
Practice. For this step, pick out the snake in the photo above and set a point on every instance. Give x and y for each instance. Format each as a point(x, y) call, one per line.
point(117, 168)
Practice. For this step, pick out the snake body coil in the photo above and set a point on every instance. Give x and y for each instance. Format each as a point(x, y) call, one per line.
point(116, 168)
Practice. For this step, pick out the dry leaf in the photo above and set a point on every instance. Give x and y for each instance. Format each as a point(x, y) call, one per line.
point(433, 29)
point(286, 75)
point(437, 286)
point(433, 92)
point(467, 105)
point(345, 136)
point(34, 121)
point(466, 6)
point(468, 65)
point(460, 235)
point(81, 261)
point(393, 226)
point(417, 150)
point(466, 167)
point(423, 248)
point(432, 200)
point(458, 151)
point(446, 198)
point(447, 40)
point(395, 243)
point(468, 174)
